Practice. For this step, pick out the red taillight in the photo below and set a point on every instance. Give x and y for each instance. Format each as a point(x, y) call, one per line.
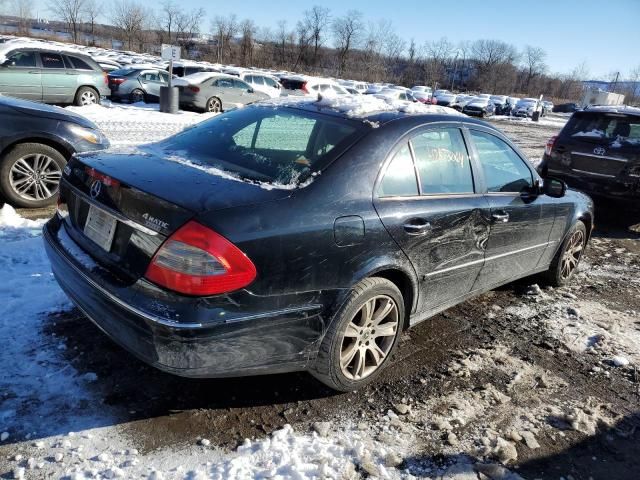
point(304, 87)
point(197, 261)
point(117, 81)
point(106, 179)
point(193, 88)
point(550, 144)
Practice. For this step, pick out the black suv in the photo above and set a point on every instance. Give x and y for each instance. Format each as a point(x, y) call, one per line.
point(598, 151)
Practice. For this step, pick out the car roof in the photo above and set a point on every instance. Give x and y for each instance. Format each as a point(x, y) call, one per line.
point(369, 110)
point(635, 111)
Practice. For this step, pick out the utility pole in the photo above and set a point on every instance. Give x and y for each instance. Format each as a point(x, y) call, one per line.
point(615, 83)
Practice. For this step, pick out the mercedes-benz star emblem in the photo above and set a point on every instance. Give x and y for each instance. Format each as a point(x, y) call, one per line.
point(599, 151)
point(96, 186)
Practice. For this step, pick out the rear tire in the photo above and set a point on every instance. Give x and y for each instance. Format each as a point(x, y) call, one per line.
point(86, 96)
point(30, 174)
point(362, 337)
point(567, 259)
point(137, 95)
point(214, 105)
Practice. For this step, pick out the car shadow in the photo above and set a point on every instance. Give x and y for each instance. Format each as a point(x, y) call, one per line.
point(612, 453)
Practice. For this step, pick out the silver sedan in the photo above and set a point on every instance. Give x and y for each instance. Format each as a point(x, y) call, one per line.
point(217, 93)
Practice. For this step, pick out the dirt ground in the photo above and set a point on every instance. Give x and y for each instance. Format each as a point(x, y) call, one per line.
point(532, 378)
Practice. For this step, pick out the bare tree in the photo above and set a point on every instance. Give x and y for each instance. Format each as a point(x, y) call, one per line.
point(347, 31)
point(23, 9)
point(248, 29)
point(128, 17)
point(494, 61)
point(70, 12)
point(224, 29)
point(188, 24)
point(167, 18)
point(315, 22)
point(534, 64)
point(93, 9)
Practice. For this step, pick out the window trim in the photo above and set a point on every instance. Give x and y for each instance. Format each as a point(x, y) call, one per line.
point(478, 183)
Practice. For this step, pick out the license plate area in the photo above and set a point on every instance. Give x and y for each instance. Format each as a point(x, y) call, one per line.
point(100, 227)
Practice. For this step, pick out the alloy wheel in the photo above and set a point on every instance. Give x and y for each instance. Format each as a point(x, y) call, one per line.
point(88, 98)
point(137, 96)
point(214, 105)
point(35, 177)
point(369, 337)
point(572, 254)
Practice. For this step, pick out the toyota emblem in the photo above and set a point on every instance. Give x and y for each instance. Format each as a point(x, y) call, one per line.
point(96, 186)
point(599, 151)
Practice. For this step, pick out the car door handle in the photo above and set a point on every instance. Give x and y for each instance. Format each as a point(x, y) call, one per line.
point(417, 226)
point(500, 217)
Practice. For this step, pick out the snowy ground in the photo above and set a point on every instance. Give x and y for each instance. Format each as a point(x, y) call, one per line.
point(523, 382)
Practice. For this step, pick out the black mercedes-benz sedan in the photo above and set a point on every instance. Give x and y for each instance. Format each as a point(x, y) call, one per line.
point(304, 235)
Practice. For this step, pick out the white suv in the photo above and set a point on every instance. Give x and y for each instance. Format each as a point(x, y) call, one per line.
point(302, 86)
point(262, 83)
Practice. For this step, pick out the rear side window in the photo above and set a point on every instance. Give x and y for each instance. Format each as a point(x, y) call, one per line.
point(22, 59)
point(223, 83)
point(442, 162)
point(51, 60)
point(258, 80)
point(504, 170)
point(80, 64)
point(400, 177)
point(290, 84)
point(612, 129)
point(275, 146)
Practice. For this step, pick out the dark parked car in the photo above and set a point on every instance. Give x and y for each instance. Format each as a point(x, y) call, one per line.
point(36, 141)
point(303, 236)
point(136, 84)
point(598, 151)
point(479, 107)
point(565, 108)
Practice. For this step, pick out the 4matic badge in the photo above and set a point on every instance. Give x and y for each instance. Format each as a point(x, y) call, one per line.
point(154, 222)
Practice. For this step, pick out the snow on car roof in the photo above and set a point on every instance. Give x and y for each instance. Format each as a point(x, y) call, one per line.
point(18, 43)
point(614, 109)
point(361, 106)
point(199, 77)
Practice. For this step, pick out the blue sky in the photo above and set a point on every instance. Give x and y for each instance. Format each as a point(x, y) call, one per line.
point(604, 34)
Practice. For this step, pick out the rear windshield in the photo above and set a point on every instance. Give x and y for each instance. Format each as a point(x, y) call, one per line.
point(123, 72)
point(278, 146)
point(611, 129)
point(290, 84)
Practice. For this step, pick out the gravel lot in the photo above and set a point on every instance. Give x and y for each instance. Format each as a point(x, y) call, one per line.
point(543, 381)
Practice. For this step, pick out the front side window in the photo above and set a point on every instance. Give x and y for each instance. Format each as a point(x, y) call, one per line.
point(400, 177)
point(268, 145)
point(442, 162)
point(504, 170)
point(22, 59)
point(52, 60)
point(270, 82)
point(257, 80)
point(240, 85)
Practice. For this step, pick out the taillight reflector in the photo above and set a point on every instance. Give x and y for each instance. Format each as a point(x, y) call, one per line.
point(193, 88)
point(550, 144)
point(195, 260)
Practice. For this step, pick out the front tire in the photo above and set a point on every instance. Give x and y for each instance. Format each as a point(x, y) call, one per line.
point(86, 96)
point(30, 175)
point(566, 261)
point(362, 337)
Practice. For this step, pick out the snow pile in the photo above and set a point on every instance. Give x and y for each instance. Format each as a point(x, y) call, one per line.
point(138, 123)
point(38, 386)
point(358, 106)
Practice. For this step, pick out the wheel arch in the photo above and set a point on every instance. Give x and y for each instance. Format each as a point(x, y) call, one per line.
point(63, 147)
point(405, 284)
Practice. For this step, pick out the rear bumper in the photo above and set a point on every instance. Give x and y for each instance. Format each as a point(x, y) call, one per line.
point(230, 343)
point(611, 188)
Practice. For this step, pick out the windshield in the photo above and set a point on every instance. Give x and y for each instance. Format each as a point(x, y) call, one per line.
point(279, 146)
point(614, 129)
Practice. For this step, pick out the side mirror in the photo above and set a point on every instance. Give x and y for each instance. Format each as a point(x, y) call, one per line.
point(554, 187)
point(249, 90)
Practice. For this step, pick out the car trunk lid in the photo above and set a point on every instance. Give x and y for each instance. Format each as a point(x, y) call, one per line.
point(122, 207)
